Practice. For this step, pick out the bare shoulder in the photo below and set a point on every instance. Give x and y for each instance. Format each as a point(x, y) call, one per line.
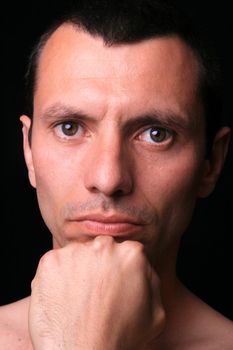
point(14, 326)
point(194, 325)
point(220, 331)
point(211, 330)
point(217, 336)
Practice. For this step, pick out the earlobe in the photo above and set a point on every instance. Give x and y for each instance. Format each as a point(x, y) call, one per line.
point(26, 121)
point(213, 166)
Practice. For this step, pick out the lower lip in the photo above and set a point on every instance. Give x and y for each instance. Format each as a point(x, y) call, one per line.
point(111, 228)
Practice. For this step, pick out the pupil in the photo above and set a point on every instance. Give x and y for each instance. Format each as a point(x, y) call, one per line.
point(158, 134)
point(67, 126)
point(69, 129)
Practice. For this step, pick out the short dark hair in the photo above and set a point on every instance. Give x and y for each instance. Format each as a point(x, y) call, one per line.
point(129, 21)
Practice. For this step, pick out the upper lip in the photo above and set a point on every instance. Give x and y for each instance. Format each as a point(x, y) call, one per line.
point(109, 219)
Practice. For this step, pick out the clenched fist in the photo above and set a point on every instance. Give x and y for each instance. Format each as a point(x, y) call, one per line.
point(93, 296)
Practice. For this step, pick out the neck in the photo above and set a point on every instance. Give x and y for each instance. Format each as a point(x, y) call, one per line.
point(165, 266)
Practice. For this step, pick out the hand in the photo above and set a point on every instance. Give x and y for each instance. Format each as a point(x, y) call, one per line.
point(94, 296)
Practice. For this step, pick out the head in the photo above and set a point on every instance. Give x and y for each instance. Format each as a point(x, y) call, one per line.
point(124, 130)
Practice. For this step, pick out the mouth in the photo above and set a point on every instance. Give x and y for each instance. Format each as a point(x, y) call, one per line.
point(113, 225)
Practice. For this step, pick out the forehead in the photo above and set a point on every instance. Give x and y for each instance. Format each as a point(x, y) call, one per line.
point(74, 63)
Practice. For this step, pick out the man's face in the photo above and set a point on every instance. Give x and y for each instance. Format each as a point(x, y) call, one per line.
point(117, 139)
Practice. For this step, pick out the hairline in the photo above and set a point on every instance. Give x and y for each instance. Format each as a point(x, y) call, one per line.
point(46, 36)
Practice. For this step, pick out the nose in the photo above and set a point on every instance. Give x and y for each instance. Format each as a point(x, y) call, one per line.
point(108, 168)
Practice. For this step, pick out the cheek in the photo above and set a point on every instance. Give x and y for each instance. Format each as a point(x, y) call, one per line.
point(54, 182)
point(170, 185)
point(180, 178)
point(180, 173)
point(48, 186)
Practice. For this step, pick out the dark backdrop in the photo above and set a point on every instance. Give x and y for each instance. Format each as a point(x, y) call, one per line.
point(205, 260)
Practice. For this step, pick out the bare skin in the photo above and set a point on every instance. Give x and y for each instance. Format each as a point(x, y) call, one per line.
point(117, 158)
point(191, 325)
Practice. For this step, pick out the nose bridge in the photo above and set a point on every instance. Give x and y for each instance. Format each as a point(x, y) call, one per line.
point(108, 169)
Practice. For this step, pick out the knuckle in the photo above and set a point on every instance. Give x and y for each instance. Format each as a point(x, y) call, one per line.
point(134, 246)
point(101, 242)
point(134, 255)
point(47, 259)
point(33, 283)
point(134, 250)
point(137, 246)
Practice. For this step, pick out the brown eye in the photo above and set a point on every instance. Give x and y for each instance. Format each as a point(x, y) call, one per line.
point(155, 135)
point(158, 134)
point(69, 128)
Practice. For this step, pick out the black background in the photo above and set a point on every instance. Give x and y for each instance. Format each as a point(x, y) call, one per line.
point(205, 260)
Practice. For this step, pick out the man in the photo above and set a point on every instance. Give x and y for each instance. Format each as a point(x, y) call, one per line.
point(123, 135)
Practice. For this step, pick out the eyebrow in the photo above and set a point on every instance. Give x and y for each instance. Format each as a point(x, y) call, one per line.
point(60, 111)
point(166, 118)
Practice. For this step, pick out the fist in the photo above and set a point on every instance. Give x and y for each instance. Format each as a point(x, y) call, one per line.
point(95, 295)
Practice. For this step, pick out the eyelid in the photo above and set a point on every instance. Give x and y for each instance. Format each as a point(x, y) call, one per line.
point(159, 126)
point(156, 126)
point(65, 120)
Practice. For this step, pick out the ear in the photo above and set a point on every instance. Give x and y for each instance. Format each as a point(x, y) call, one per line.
point(214, 165)
point(26, 121)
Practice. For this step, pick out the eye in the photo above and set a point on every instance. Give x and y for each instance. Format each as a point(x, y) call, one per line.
point(155, 135)
point(69, 129)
